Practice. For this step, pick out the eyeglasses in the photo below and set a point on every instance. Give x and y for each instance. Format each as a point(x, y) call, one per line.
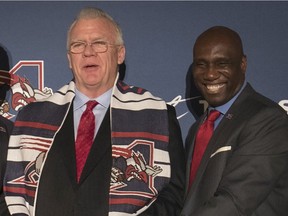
point(97, 46)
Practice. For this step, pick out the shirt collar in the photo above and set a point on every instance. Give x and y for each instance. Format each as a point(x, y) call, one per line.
point(81, 99)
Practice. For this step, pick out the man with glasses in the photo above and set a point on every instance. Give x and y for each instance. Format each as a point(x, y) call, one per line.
point(97, 146)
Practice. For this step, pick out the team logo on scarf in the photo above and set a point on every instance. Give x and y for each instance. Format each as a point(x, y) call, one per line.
point(133, 166)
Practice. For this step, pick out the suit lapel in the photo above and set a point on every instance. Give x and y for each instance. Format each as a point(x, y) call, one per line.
point(66, 142)
point(230, 122)
point(67, 146)
point(223, 132)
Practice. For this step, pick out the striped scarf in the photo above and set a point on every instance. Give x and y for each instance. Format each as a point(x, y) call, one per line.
point(139, 137)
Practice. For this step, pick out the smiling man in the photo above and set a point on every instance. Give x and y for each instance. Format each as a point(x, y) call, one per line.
point(219, 66)
point(237, 152)
point(98, 146)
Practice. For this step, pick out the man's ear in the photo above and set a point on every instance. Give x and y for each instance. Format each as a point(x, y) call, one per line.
point(69, 60)
point(121, 54)
point(244, 64)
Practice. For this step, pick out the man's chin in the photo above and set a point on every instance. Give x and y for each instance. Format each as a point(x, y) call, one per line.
point(215, 101)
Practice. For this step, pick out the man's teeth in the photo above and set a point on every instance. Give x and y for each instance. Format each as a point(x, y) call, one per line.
point(214, 87)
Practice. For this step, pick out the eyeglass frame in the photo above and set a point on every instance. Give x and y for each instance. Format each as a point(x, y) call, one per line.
point(104, 43)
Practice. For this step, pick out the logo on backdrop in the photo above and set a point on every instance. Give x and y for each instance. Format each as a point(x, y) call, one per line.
point(178, 99)
point(26, 80)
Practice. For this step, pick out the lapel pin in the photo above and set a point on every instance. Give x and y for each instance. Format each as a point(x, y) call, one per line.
point(229, 116)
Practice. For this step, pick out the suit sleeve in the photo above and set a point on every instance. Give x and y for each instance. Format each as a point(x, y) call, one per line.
point(257, 166)
point(170, 200)
point(6, 128)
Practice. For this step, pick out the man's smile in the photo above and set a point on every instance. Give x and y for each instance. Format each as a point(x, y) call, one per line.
point(214, 88)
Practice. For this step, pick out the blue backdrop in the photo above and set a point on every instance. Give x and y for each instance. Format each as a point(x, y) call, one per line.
point(159, 37)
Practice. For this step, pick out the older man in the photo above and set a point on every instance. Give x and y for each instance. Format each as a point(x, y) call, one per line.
point(97, 146)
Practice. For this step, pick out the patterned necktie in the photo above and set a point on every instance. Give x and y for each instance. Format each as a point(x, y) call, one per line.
point(202, 139)
point(85, 136)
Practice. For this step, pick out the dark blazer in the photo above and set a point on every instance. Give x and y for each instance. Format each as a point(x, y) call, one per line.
point(60, 195)
point(5, 131)
point(244, 170)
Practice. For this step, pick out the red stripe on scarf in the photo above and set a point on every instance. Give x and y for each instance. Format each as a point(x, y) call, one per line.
point(36, 125)
point(141, 135)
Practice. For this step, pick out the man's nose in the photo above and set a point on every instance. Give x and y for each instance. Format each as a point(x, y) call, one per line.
point(88, 51)
point(211, 72)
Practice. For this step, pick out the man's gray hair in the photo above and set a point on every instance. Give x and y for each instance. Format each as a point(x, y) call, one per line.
point(93, 13)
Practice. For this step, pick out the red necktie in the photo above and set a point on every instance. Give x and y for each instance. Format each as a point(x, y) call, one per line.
point(202, 139)
point(85, 136)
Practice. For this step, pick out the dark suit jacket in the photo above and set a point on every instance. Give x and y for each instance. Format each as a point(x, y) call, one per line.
point(60, 195)
point(5, 130)
point(248, 175)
